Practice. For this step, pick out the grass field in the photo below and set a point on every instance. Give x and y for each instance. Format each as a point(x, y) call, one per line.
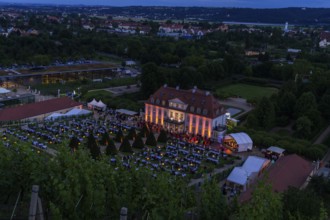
point(245, 91)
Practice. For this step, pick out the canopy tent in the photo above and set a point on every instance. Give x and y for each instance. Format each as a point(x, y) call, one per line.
point(100, 105)
point(255, 164)
point(72, 112)
point(4, 91)
point(92, 104)
point(250, 169)
point(238, 176)
point(126, 112)
point(97, 105)
point(239, 141)
point(276, 150)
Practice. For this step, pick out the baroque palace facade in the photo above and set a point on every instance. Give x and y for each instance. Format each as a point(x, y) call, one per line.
point(192, 111)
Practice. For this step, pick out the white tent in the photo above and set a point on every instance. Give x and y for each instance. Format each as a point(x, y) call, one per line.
point(92, 104)
point(72, 112)
point(243, 141)
point(275, 149)
point(77, 111)
point(250, 169)
point(54, 116)
point(254, 164)
point(238, 176)
point(4, 91)
point(101, 105)
point(127, 112)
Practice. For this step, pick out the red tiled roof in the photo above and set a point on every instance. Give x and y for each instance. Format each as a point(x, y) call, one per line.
point(197, 98)
point(37, 108)
point(291, 170)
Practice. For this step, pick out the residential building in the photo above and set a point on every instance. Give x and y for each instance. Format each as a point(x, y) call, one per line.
point(192, 111)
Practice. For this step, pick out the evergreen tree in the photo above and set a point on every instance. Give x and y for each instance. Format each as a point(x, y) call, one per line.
point(265, 113)
point(105, 139)
point(111, 148)
point(162, 138)
point(132, 133)
point(93, 147)
point(126, 146)
point(74, 143)
point(144, 131)
point(119, 136)
point(138, 142)
point(151, 140)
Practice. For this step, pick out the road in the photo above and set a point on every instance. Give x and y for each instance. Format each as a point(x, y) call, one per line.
point(320, 140)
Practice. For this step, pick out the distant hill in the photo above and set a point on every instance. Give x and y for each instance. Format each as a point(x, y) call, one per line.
point(310, 16)
point(299, 16)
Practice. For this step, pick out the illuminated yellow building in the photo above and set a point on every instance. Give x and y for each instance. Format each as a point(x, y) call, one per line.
point(177, 110)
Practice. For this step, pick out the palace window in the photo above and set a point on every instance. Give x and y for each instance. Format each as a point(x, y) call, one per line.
point(192, 109)
point(204, 111)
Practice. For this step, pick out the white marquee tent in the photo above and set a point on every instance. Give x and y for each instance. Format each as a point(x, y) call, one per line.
point(100, 105)
point(250, 169)
point(92, 104)
point(126, 112)
point(4, 91)
point(72, 112)
point(276, 150)
point(243, 141)
point(97, 105)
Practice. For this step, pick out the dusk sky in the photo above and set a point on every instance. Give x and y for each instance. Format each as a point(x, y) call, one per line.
point(206, 3)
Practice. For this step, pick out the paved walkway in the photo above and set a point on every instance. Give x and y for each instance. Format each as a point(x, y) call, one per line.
point(237, 103)
point(323, 136)
point(320, 140)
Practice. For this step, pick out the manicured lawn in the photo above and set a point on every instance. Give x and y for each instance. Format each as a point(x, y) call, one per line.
point(246, 91)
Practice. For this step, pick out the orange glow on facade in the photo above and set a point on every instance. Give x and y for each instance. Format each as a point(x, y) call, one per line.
point(190, 123)
point(146, 113)
point(197, 124)
point(156, 121)
point(209, 129)
point(203, 127)
point(162, 117)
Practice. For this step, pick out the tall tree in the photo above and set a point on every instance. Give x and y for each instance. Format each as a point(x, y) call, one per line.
point(111, 148)
point(119, 136)
point(131, 133)
point(301, 204)
point(305, 103)
point(105, 139)
point(211, 199)
point(162, 138)
point(74, 143)
point(151, 79)
point(138, 142)
point(264, 204)
point(92, 146)
point(126, 146)
point(151, 140)
point(265, 113)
